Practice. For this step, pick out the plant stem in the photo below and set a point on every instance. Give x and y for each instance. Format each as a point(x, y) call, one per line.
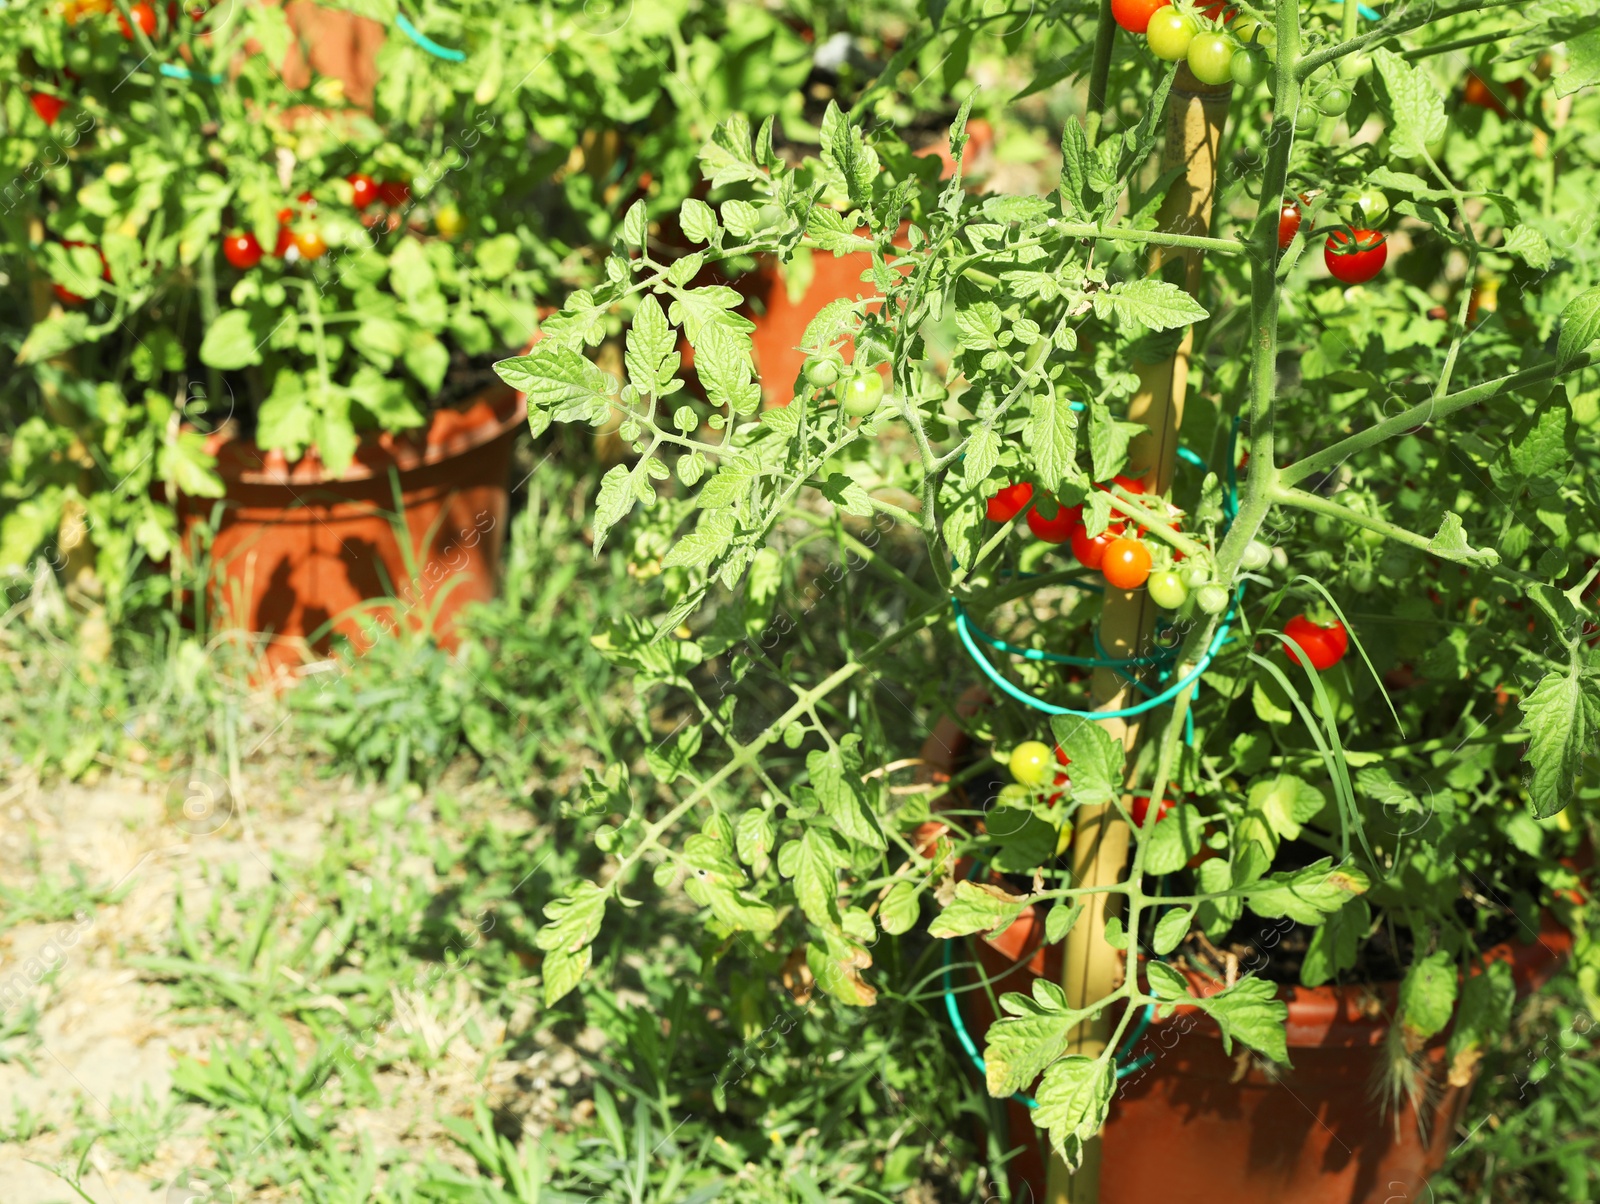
point(1105, 32)
point(1318, 504)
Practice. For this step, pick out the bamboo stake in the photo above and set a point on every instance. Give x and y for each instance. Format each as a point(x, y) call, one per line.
point(1196, 113)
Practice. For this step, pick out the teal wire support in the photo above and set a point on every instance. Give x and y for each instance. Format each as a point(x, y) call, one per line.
point(175, 72)
point(403, 23)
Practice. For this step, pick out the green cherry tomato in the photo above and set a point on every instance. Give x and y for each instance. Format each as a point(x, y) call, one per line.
point(1213, 599)
point(1211, 58)
point(1169, 33)
point(1355, 66)
point(1371, 207)
point(1335, 100)
point(1196, 575)
point(1251, 32)
point(862, 393)
point(823, 373)
point(1015, 795)
point(1250, 66)
point(1030, 761)
point(1167, 589)
point(1256, 556)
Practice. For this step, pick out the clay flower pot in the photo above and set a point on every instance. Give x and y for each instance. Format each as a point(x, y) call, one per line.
point(1197, 1126)
point(298, 552)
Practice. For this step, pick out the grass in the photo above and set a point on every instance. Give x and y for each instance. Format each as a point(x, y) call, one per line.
point(363, 973)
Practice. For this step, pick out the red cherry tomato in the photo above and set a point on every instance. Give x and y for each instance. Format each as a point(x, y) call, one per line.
point(1478, 91)
point(394, 194)
point(1134, 15)
point(48, 107)
point(1288, 223)
point(145, 15)
point(1008, 503)
point(364, 188)
point(1091, 553)
point(1139, 808)
point(1058, 527)
point(243, 251)
point(1355, 261)
point(1125, 563)
point(1324, 646)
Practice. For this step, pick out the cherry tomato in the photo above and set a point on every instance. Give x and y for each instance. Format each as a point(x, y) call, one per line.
point(1212, 599)
point(862, 393)
point(1324, 646)
point(1370, 206)
point(1211, 58)
point(1029, 760)
point(449, 222)
point(1250, 65)
point(394, 194)
point(1134, 15)
point(1167, 589)
point(1126, 563)
point(310, 242)
point(1256, 556)
point(1480, 92)
point(824, 374)
point(145, 15)
point(243, 250)
point(1139, 809)
point(1288, 222)
point(1057, 529)
point(1334, 100)
point(364, 189)
point(48, 107)
point(1008, 502)
point(1355, 261)
point(1091, 553)
point(1169, 33)
point(1356, 66)
point(1131, 484)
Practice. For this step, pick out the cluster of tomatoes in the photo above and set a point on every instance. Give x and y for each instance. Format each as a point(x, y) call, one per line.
point(1354, 255)
point(1123, 560)
point(1215, 56)
point(49, 105)
point(244, 251)
point(859, 395)
point(67, 296)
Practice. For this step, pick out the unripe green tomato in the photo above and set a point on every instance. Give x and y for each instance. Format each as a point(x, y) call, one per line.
point(822, 373)
point(1335, 100)
point(1373, 539)
point(1250, 66)
point(1355, 66)
point(862, 393)
point(1371, 207)
point(1029, 762)
point(1167, 589)
point(1015, 794)
point(1256, 556)
point(1250, 31)
point(1196, 575)
point(1211, 57)
point(1169, 33)
point(1212, 599)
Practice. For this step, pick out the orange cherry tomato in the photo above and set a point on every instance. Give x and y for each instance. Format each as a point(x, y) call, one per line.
point(310, 243)
point(1126, 563)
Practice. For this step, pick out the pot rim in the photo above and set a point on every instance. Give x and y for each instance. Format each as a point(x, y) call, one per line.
point(242, 461)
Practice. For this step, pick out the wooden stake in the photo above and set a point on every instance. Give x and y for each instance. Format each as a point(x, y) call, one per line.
point(1196, 113)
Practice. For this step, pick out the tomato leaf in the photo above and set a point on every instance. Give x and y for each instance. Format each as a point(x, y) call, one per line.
point(1416, 105)
point(1428, 995)
point(1580, 325)
point(1309, 895)
point(1096, 759)
point(1073, 1102)
point(977, 907)
point(1563, 715)
point(1023, 1044)
point(1052, 438)
point(1250, 1011)
point(900, 908)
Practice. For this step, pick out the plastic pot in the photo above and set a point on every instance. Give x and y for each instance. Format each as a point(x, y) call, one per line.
point(297, 552)
point(1197, 1126)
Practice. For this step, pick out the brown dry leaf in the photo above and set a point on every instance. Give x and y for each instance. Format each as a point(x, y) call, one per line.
point(1464, 1068)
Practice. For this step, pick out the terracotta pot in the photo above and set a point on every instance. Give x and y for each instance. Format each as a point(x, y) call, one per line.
point(296, 552)
point(1198, 1126)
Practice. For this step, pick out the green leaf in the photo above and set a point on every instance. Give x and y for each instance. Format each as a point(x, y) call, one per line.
point(186, 463)
point(1250, 1011)
point(1073, 1102)
point(619, 490)
point(836, 778)
point(1528, 245)
point(1166, 982)
point(1020, 1046)
point(1307, 895)
point(1379, 785)
point(560, 380)
point(977, 907)
point(1022, 841)
point(1149, 302)
point(1428, 994)
point(651, 359)
point(497, 256)
point(698, 220)
point(816, 862)
point(229, 343)
point(837, 967)
point(1416, 105)
point(635, 224)
point(1335, 945)
point(572, 924)
point(703, 545)
point(1583, 64)
point(1285, 802)
point(1060, 920)
point(1483, 1018)
point(900, 908)
point(1171, 929)
point(982, 454)
point(1052, 438)
point(1451, 543)
point(844, 149)
point(1108, 441)
point(427, 359)
point(1580, 325)
point(1095, 758)
point(1562, 714)
point(1174, 840)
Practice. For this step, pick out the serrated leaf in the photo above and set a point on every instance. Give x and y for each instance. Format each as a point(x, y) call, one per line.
point(1174, 840)
point(1073, 1102)
point(1528, 245)
point(650, 346)
point(981, 455)
point(1165, 981)
point(1052, 438)
point(1060, 920)
point(1335, 946)
point(1562, 714)
point(1416, 105)
point(1580, 325)
point(1250, 1011)
point(572, 924)
point(619, 490)
point(1095, 759)
point(1450, 542)
point(704, 544)
point(1149, 302)
point(1021, 1045)
point(1428, 994)
point(560, 380)
point(844, 796)
point(837, 967)
point(977, 907)
point(815, 863)
point(1309, 895)
point(1108, 441)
